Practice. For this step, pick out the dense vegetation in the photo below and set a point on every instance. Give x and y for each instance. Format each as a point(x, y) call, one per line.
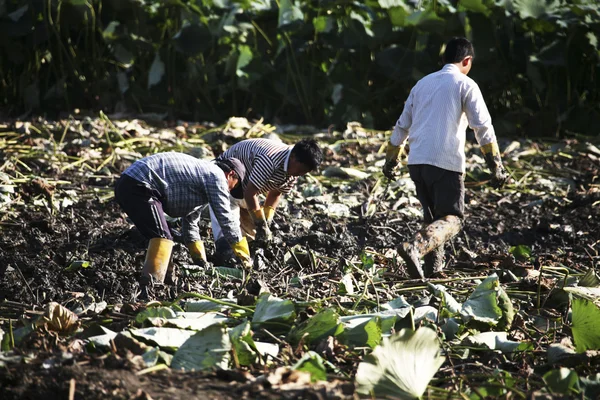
point(321, 63)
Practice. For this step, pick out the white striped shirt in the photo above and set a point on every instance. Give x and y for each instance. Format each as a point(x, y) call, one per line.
point(266, 163)
point(435, 118)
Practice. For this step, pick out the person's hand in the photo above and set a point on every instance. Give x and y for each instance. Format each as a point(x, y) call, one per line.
point(391, 161)
point(242, 251)
point(263, 233)
point(269, 214)
point(492, 157)
point(499, 177)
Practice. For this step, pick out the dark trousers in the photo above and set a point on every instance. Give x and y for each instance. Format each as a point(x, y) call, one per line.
point(143, 206)
point(441, 192)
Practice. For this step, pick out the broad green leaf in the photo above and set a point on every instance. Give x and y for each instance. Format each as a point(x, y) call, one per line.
point(323, 24)
point(157, 70)
point(586, 293)
point(193, 38)
point(388, 319)
point(385, 4)
point(163, 337)
point(448, 302)
point(243, 344)
point(535, 8)
point(590, 279)
point(402, 366)
point(150, 357)
point(244, 58)
point(205, 305)
point(289, 14)
point(368, 333)
point(563, 381)
point(497, 341)
point(426, 20)
point(476, 6)
point(489, 304)
point(272, 309)
point(110, 32)
point(154, 312)
point(586, 325)
point(398, 15)
point(267, 349)
point(312, 363)
point(104, 339)
point(195, 324)
point(207, 349)
point(319, 327)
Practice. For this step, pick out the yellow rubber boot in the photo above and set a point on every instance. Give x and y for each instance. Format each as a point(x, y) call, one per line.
point(157, 260)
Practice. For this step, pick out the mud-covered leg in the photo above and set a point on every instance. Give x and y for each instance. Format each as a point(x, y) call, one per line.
point(433, 261)
point(426, 240)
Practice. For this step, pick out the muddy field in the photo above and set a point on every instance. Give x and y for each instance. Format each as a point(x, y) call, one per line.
point(57, 212)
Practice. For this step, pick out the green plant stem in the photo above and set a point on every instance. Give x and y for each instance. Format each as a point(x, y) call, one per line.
point(204, 297)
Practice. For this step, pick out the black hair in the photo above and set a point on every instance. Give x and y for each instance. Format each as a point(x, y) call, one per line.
point(457, 49)
point(308, 153)
point(227, 167)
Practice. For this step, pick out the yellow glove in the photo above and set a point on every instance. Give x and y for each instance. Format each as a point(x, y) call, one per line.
point(491, 154)
point(391, 160)
point(242, 251)
point(269, 213)
point(198, 252)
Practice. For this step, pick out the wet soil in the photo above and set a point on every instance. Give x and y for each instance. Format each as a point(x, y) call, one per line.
point(38, 243)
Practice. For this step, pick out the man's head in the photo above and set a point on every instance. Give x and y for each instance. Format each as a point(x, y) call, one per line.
point(459, 51)
point(234, 171)
point(306, 156)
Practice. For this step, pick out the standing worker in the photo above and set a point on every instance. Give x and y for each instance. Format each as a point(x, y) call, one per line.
point(178, 184)
point(435, 117)
point(272, 168)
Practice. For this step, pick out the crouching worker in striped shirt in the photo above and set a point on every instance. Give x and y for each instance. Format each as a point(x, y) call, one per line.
point(435, 117)
point(178, 184)
point(272, 168)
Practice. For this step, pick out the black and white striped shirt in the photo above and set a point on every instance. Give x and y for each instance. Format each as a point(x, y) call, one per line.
point(266, 163)
point(185, 184)
point(435, 119)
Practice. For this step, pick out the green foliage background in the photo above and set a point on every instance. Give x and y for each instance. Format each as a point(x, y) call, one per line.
point(318, 62)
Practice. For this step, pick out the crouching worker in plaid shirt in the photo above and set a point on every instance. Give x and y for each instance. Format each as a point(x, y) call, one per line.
point(179, 185)
point(272, 169)
point(435, 118)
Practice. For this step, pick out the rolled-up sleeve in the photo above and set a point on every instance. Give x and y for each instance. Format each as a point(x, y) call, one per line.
point(190, 226)
point(478, 115)
point(400, 132)
point(218, 198)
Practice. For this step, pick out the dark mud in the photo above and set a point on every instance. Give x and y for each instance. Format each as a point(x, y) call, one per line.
point(38, 243)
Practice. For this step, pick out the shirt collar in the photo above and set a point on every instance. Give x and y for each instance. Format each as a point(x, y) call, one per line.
point(287, 160)
point(450, 68)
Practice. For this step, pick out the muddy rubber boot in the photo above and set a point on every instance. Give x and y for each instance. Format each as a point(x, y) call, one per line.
point(427, 239)
point(224, 255)
point(433, 261)
point(171, 275)
point(156, 264)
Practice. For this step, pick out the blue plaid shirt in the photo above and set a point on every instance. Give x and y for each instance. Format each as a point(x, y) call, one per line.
point(185, 185)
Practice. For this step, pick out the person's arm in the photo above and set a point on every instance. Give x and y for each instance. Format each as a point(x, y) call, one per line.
point(398, 137)
point(480, 121)
point(271, 203)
